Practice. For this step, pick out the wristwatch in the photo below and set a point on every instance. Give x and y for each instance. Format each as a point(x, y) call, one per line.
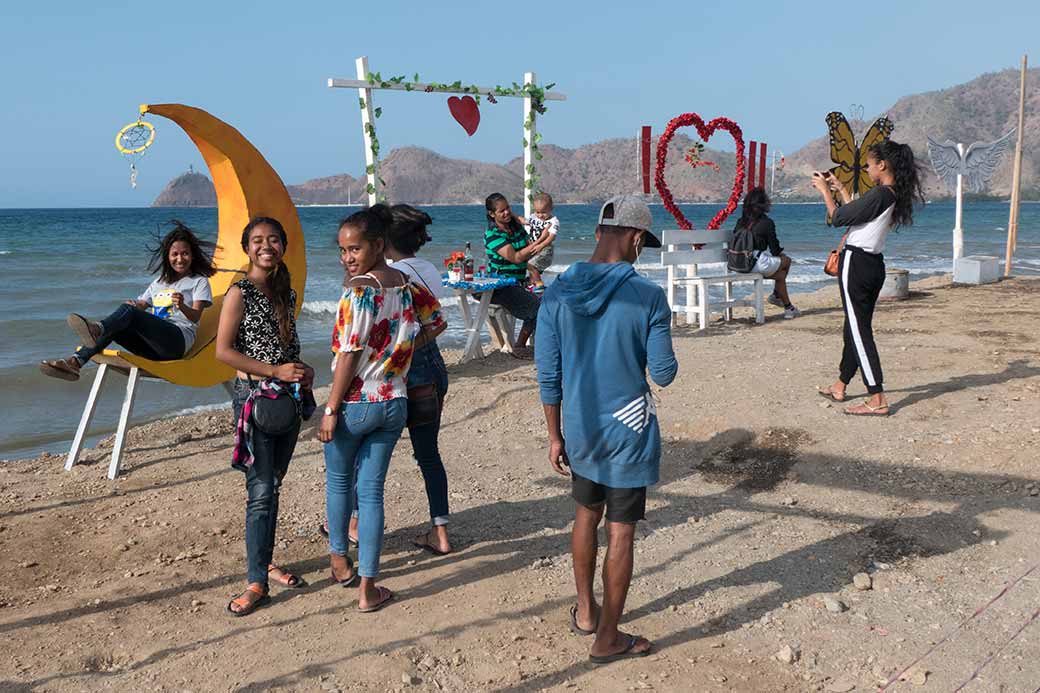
point(329, 411)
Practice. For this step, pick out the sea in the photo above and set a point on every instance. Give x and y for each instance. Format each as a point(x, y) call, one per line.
point(57, 261)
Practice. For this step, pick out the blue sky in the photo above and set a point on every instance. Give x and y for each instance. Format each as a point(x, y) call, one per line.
point(73, 73)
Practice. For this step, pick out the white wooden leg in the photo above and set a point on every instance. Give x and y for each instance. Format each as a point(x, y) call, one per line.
point(760, 313)
point(124, 420)
point(476, 323)
point(702, 287)
point(727, 314)
point(671, 290)
point(88, 414)
point(689, 296)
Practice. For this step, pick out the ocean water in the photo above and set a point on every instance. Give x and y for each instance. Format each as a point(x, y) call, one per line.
point(57, 261)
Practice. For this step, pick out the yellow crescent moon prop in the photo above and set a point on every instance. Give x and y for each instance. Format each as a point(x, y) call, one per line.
point(246, 187)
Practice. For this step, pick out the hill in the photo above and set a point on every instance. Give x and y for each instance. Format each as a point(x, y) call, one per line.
point(980, 110)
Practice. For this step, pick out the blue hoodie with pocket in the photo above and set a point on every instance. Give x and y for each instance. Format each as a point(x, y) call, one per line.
point(601, 328)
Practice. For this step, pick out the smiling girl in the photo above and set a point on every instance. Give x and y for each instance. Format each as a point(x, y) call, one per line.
point(159, 324)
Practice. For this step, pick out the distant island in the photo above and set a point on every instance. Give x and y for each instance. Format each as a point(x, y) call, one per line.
point(980, 110)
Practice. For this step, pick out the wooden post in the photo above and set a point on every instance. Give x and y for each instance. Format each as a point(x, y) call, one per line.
point(529, 134)
point(367, 123)
point(1016, 178)
point(762, 167)
point(752, 151)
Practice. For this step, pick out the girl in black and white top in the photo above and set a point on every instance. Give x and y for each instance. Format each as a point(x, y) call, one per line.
point(861, 271)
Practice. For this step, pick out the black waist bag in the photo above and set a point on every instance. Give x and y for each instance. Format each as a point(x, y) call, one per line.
point(276, 416)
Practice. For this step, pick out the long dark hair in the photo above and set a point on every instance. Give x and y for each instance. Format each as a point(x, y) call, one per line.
point(279, 282)
point(373, 222)
point(489, 205)
point(756, 206)
point(907, 174)
point(408, 231)
point(201, 254)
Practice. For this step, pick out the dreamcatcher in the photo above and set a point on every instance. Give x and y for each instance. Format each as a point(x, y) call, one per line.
point(132, 141)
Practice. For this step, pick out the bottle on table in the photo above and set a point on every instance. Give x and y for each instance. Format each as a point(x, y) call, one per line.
point(467, 263)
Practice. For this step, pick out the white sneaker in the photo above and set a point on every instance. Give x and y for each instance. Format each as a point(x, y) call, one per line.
point(774, 300)
point(791, 313)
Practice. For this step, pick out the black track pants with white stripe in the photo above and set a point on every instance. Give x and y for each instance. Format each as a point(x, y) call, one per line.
point(861, 276)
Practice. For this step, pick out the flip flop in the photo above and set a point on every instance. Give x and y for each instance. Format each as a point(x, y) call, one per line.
point(827, 393)
point(82, 327)
point(59, 368)
point(871, 411)
point(627, 653)
point(349, 582)
point(425, 545)
point(251, 607)
point(578, 630)
point(323, 530)
point(381, 603)
point(293, 582)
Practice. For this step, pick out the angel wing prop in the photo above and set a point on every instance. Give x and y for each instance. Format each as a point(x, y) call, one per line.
point(978, 164)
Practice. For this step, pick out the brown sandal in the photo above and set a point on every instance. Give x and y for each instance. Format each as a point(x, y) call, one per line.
point(247, 605)
point(830, 394)
point(286, 579)
point(62, 369)
point(867, 410)
point(386, 597)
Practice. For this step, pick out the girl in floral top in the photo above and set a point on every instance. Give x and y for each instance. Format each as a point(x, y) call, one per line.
point(379, 318)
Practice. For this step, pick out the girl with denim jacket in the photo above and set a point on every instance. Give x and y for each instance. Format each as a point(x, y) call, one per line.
point(379, 317)
point(257, 337)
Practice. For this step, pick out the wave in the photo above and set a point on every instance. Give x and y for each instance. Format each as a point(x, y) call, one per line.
point(6, 252)
point(200, 409)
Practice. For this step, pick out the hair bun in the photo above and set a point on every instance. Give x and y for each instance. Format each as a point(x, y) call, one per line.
point(382, 213)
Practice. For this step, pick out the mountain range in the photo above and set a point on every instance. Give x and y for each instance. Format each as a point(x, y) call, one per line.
point(980, 110)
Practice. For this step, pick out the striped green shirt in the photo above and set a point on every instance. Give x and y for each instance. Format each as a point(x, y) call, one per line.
point(494, 239)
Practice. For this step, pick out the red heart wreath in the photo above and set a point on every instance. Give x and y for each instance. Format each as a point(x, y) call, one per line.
point(705, 131)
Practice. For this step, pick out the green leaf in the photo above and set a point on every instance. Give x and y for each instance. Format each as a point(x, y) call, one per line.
point(525, 142)
point(529, 168)
point(550, 85)
point(408, 86)
point(370, 188)
point(537, 137)
point(382, 182)
point(529, 184)
point(361, 102)
point(538, 156)
point(370, 169)
point(379, 111)
point(416, 77)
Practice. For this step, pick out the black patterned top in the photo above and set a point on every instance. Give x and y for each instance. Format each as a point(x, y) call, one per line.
point(258, 336)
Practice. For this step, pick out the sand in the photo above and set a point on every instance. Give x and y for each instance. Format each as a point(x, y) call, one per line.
point(770, 501)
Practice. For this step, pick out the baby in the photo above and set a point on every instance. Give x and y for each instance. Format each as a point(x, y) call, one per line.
point(542, 221)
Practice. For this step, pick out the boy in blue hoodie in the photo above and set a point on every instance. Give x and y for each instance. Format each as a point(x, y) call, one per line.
point(601, 327)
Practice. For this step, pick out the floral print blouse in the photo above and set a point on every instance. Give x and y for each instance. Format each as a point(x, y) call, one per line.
point(382, 324)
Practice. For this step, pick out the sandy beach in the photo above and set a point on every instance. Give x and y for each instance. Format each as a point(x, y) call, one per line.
point(770, 502)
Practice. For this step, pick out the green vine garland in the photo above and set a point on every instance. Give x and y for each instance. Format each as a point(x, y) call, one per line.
point(531, 91)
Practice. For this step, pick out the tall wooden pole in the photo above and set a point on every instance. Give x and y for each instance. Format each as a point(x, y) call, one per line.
point(367, 124)
point(1016, 178)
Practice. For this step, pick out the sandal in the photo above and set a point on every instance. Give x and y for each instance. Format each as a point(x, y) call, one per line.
point(866, 410)
point(626, 653)
point(246, 604)
point(830, 394)
point(62, 369)
point(355, 576)
point(286, 579)
point(423, 542)
point(578, 630)
point(386, 595)
point(323, 530)
point(87, 331)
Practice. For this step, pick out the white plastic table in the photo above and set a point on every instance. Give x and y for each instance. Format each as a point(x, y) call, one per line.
point(475, 320)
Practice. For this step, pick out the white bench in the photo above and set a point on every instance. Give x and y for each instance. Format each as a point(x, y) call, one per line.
point(678, 252)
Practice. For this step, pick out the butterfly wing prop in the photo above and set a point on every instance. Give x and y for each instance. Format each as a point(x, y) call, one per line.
point(876, 134)
point(946, 161)
point(843, 150)
point(981, 161)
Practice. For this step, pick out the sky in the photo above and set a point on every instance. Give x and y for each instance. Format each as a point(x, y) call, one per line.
point(73, 73)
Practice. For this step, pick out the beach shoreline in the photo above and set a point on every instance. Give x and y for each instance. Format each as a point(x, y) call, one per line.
point(770, 500)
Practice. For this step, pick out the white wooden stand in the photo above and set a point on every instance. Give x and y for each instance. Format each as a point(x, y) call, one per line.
point(88, 413)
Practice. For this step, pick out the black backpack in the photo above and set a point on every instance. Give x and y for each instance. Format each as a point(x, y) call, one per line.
point(741, 255)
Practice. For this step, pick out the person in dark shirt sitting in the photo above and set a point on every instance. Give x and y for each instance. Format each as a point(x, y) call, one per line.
point(771, 262)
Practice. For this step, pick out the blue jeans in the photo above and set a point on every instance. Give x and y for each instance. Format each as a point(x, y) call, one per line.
point(428, 367)
point(271, 456)
point(365, 436)
point(139, 332)
point(520, 303)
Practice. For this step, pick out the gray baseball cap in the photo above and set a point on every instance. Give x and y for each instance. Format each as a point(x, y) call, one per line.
point(629, 211)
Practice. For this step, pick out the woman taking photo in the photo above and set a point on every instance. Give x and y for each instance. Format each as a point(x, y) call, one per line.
point(257, 337)
point(380, 314)
point(861, 269)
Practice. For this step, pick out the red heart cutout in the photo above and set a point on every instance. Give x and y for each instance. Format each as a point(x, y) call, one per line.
point(465, 112)
point(705, 131)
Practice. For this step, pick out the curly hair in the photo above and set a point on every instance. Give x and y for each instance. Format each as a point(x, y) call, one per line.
point(907, 174)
